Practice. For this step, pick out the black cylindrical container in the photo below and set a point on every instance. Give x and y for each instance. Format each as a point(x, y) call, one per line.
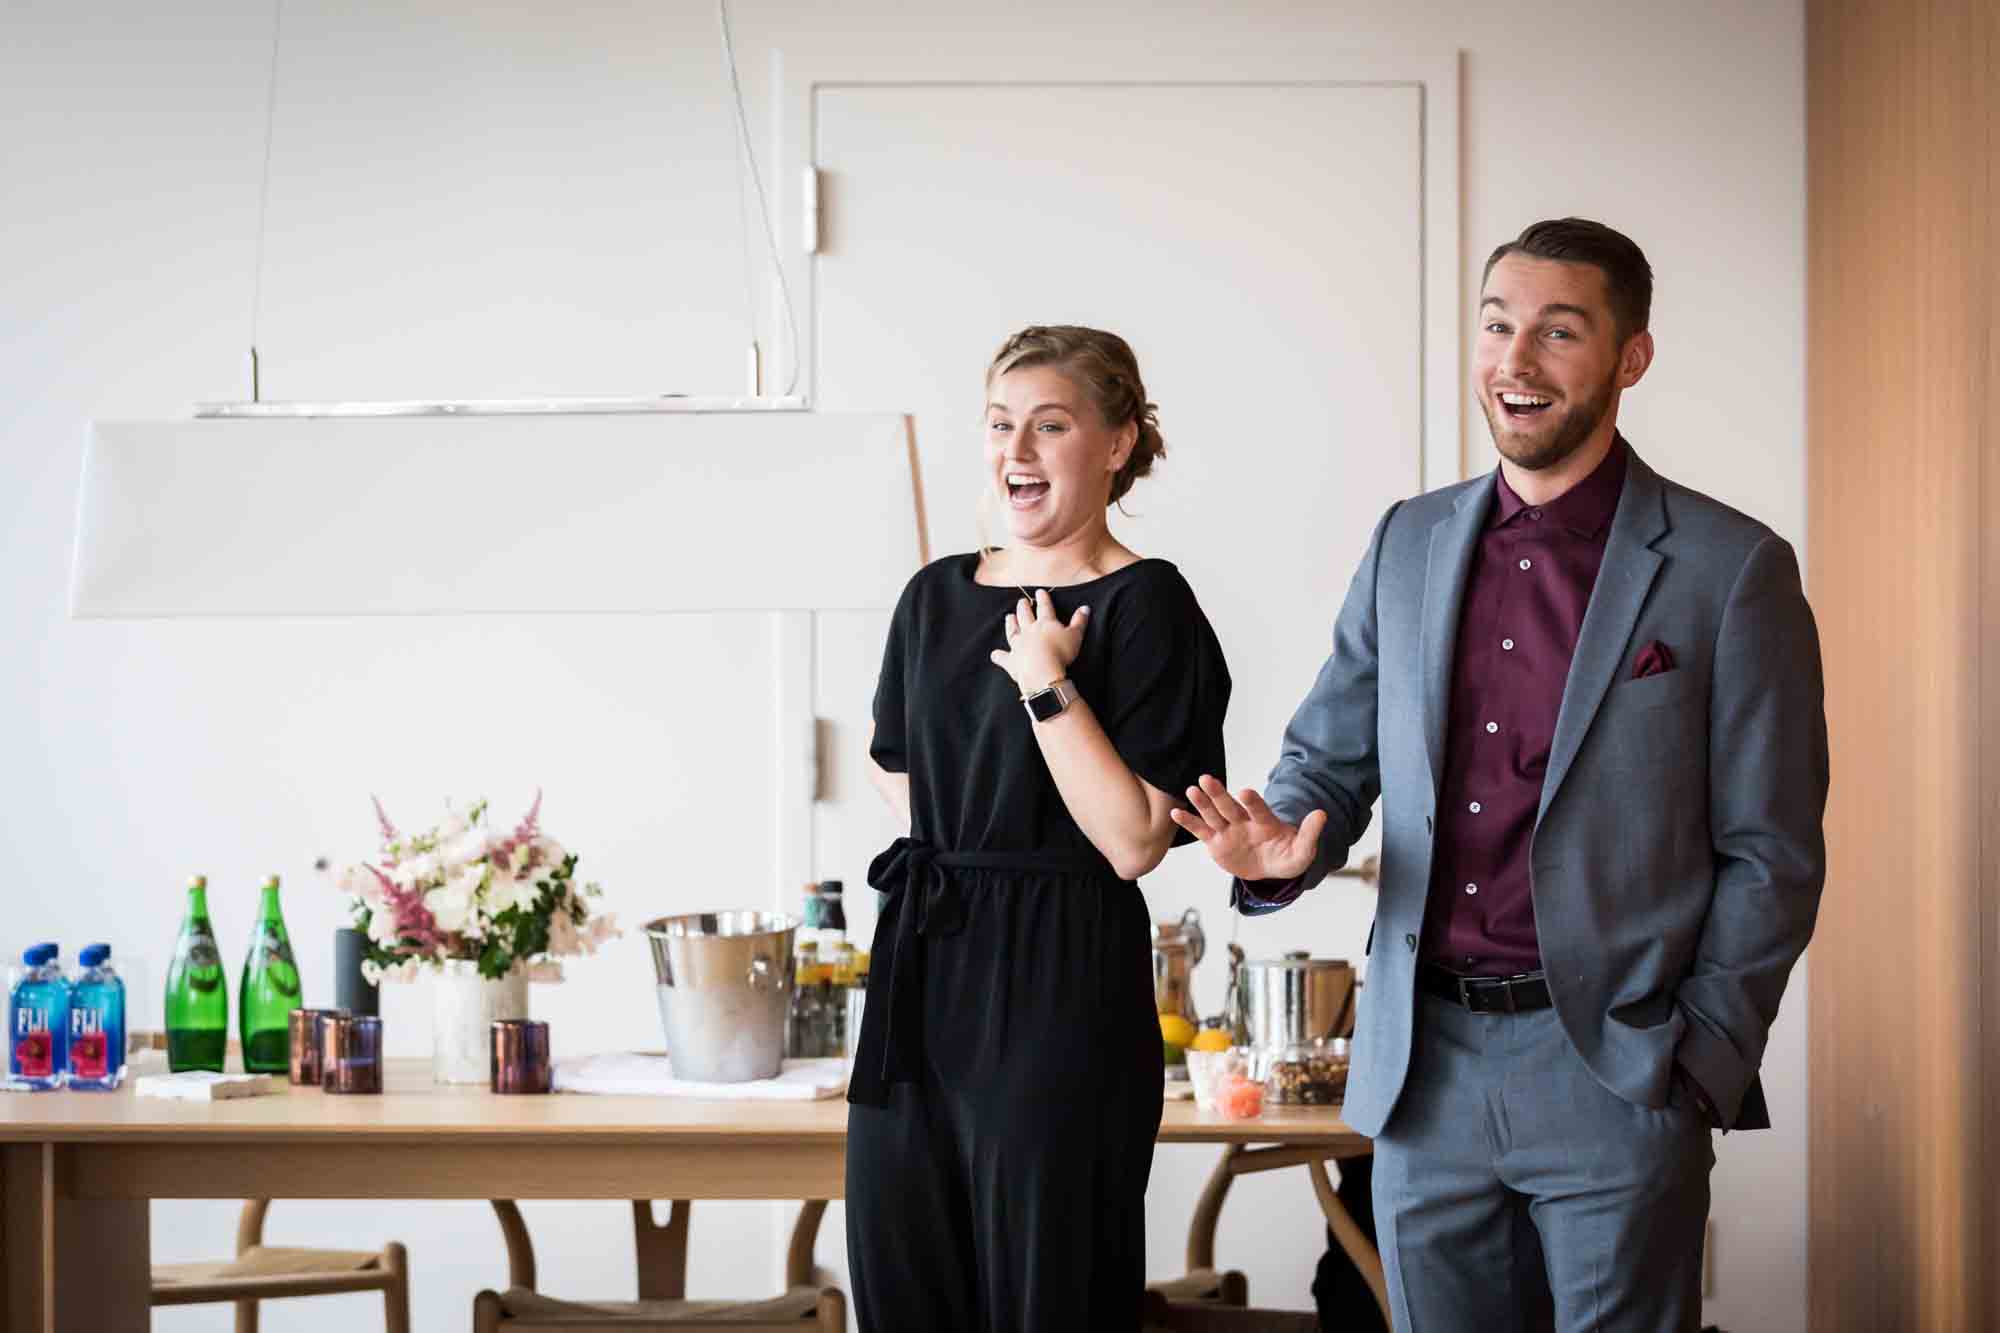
point(351, 990)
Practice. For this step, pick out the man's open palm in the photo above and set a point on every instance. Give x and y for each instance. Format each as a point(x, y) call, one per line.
point(1244, 837)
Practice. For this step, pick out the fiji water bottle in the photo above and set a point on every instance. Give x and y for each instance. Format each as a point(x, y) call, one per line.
point(96, 1022)
point(38, 1020)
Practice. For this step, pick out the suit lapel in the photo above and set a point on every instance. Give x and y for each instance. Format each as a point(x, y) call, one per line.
point(1623, 580)
point(1454, 541)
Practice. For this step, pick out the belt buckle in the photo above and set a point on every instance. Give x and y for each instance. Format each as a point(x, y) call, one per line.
point(1465, 994)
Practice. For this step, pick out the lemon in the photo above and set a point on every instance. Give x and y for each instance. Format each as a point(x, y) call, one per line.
point(1211, 1039)
point(1175, 1030)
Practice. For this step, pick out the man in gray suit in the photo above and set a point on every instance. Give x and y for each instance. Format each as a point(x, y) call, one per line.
point(1590, 700)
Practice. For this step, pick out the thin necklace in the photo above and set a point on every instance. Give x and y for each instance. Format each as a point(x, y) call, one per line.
point(1090, 563)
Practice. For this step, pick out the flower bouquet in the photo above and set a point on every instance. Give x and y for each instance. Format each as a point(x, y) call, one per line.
point(485, 910)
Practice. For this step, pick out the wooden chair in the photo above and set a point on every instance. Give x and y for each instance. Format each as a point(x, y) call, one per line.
point(1178, 1316)
point(261, 1272)
point(809, 1304)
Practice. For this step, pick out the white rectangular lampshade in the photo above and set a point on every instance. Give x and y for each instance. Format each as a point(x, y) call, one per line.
point(477, 515)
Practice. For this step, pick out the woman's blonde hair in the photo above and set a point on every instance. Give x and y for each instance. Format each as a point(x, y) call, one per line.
point(1102, 364)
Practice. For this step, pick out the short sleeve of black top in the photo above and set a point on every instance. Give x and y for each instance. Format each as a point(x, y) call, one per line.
point(1150, 668)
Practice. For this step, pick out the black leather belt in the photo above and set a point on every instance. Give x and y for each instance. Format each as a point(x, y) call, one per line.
point(1486, 995)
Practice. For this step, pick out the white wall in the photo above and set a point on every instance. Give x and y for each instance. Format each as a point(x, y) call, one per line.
point(469, 202)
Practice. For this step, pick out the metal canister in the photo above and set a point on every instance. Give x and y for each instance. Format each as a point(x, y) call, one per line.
point(725, 984)
point(1295, 999)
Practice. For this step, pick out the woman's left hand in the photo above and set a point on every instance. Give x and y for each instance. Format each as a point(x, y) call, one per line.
point(1039, 646)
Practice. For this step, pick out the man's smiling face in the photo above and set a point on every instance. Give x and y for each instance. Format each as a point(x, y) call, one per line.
point(1547, 362)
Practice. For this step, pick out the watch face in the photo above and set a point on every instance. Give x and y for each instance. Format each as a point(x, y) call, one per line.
point(1044, 704)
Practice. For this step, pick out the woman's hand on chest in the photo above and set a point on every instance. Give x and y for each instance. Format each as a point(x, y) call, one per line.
point(1040, 646)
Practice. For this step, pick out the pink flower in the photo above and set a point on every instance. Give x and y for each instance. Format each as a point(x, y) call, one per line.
point(563, 937)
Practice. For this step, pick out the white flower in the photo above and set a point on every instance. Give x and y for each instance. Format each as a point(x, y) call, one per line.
point(548, 854)
point(454, 824)
point(382, 928)
point(451, 904)
point(376, 974)
point(359, 882)
point(505, 891)
point(464, 848)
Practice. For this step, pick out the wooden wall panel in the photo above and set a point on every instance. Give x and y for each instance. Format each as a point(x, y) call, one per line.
point(1900, 375)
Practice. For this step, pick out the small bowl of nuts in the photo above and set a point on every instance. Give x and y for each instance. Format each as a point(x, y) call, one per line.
point(1307, 1073)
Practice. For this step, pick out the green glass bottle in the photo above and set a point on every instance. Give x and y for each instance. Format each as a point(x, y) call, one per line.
point(270, 990)
point(197, 1003)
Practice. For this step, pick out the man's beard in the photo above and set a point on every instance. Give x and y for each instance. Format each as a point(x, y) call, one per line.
point(1577, 425)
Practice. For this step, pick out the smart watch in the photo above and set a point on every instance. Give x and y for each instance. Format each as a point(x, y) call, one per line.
point(1046, 703)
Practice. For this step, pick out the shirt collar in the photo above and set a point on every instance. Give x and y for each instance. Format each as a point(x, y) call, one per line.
point(1585, 508)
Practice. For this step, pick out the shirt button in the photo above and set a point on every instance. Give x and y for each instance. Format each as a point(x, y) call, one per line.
point(1492, 727)
point(1474, 807)
point(1535, 514)
point(1507, 645)
point(1527, 564)
point(1472, 888)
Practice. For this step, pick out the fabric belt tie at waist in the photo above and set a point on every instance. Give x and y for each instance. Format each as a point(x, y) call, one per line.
point(922, 903)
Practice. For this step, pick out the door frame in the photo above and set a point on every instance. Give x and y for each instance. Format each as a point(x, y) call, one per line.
point(1293, 60)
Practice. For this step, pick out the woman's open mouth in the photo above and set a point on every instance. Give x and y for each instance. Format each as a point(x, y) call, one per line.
point(1520, 406)
point(1025, 491)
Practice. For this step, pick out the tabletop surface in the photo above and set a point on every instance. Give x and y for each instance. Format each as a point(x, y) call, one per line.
point(413, 1105)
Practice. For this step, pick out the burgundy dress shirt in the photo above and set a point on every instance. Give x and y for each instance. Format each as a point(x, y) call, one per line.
point(1524, 602)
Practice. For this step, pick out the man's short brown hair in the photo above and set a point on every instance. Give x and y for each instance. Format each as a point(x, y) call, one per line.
point(1628, 278)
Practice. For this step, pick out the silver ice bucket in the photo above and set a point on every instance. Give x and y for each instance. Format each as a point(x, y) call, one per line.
point(1279, 1002)
point(725, 986)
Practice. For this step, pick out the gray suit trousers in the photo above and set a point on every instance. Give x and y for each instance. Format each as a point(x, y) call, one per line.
point(1514, 1192)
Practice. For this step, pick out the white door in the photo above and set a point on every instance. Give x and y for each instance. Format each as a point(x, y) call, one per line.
point(1261, 248)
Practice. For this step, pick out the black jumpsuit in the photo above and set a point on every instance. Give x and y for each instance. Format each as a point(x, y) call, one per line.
point(1006, 1091)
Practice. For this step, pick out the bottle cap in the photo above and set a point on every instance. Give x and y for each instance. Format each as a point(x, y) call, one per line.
point(830, 888)
point(197, 881)
point(94, 954)
point(35, 955)
point(270, 881)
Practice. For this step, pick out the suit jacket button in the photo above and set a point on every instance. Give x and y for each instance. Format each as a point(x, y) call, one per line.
point(1411, 940)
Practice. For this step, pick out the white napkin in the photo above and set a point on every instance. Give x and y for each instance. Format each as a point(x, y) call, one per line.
point(201, 1085)
point(638, 1074)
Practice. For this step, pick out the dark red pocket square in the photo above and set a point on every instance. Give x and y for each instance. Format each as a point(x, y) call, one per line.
point(1654, 659)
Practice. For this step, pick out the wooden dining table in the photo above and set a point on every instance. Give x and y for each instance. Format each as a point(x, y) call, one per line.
point(78, 1169)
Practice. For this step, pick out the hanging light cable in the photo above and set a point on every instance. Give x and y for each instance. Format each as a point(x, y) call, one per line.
point(756, 367)
point(749, 153)
point(264, 196)
point(755, 401)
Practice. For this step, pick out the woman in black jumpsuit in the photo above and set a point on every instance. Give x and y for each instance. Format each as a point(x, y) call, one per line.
point(1007, 1087)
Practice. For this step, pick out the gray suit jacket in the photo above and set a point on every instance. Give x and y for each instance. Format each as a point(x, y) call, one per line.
point(1678, 854)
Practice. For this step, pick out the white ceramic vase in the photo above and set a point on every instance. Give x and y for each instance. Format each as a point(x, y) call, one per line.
point(467, 1005)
